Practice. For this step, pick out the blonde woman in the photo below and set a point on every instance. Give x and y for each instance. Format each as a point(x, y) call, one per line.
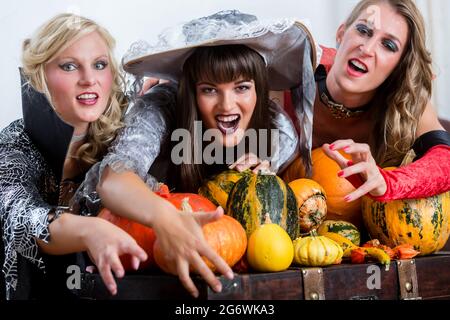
point(373, 101)
point(72, 106)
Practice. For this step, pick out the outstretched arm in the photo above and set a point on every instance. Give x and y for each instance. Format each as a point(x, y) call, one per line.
point(179, 233)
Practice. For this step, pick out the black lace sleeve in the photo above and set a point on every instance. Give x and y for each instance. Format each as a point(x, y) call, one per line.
point(23, 209)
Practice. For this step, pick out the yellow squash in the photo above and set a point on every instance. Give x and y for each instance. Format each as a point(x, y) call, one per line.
point(317, 251)
point(270, 248)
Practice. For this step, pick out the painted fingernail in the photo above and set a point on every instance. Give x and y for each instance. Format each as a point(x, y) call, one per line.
point(350, 163)
point(348, 198)
point(331, 146)
point(340, 173)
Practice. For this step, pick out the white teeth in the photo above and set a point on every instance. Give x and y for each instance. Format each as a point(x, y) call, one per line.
point(226, 130)
point(358, 65)
point(227, 118)
point(87, 96)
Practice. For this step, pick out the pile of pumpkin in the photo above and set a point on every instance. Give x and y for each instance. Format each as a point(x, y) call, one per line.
point(272, 223)
point(261, 223)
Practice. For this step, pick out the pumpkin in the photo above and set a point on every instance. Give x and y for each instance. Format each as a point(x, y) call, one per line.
point(187, 201)
point(343, 228)
point(226, 236)
point(270, 248)
point(255, 195)
point(325, 172)
point(219, 187)
point(144, 236)
point(423, 223)
point(316, 251)
point(311, 202)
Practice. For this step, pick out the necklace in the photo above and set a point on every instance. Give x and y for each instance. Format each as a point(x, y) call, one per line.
point(338, 110)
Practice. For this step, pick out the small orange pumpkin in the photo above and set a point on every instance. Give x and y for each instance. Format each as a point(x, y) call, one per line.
point(226, 236)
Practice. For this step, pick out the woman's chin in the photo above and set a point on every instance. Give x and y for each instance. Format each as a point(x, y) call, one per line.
point(231, 140)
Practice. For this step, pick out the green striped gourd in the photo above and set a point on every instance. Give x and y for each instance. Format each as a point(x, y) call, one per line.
point(343, 228)
point(256, 195)
point(219, 187)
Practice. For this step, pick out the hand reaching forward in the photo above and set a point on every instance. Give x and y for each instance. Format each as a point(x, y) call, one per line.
point(105, 243)
point(181, 238)
point(362, 163)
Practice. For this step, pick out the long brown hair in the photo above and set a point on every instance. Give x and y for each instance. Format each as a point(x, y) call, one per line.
point(402, 98)
point(218, 64)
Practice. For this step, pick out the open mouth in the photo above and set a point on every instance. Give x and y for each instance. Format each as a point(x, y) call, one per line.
point(87, 98)
point(228, 124)
point(358, 66)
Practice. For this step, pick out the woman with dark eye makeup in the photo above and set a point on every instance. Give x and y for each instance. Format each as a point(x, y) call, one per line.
point(373, 103)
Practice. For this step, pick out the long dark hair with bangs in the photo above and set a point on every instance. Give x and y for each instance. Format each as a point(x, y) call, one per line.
point(219, 64)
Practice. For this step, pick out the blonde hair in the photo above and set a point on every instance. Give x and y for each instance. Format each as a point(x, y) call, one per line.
point(51, 39)
point(406, 92)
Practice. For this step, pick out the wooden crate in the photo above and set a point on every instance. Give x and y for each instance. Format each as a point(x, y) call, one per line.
point(428, 278)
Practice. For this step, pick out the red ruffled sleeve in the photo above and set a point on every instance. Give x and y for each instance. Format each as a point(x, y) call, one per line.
point(426, 177)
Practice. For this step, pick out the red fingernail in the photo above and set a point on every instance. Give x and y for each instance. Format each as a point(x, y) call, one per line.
point(340, 173)
point(331, 146)
point(350, 163)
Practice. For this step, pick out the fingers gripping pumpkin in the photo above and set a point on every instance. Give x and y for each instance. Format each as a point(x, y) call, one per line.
point(226, 236)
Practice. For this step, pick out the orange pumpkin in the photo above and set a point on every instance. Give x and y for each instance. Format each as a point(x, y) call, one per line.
point(325, 172)
point(422, 223)
point(144, 236)
point(226, 236)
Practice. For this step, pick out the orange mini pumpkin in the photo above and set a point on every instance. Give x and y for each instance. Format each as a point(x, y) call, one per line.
point(226, 236)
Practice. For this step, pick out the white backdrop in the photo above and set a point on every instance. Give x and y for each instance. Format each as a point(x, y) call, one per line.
point(131, 20)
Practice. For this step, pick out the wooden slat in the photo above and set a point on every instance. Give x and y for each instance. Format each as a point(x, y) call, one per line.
point(433, 275)
point(341, 282)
